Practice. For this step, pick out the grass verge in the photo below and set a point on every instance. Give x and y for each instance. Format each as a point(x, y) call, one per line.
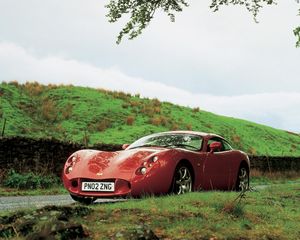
point(271, 213)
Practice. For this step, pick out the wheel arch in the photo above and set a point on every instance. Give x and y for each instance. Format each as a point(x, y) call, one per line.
point(187, 163)
point(243, 163)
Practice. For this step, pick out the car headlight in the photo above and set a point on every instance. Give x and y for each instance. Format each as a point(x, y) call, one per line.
point(154, 159)
point(143, 170)
point(69, 169)
point(71, 163)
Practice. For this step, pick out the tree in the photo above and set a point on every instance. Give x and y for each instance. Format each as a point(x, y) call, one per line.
point(142, 11)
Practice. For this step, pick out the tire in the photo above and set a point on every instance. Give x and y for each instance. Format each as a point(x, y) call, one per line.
point(83, 200)
point(242, 182)
point(182, 180)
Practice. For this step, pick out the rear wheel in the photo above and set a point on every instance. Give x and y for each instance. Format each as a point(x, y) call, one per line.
point(182, 180)
point(83, 200)
point(242, 183)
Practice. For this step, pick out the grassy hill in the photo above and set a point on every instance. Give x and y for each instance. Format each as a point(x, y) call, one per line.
point(90, 115)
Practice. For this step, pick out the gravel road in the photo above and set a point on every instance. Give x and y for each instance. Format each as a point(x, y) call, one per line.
point(13, 203)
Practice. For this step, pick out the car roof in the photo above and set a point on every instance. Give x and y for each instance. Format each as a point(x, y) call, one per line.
point(202, 134)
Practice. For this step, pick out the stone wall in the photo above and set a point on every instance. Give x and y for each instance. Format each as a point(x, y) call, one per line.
point(275, 164)
point(49, 155)
point(43, 156)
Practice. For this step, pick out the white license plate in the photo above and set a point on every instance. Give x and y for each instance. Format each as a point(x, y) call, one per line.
point(98, 186)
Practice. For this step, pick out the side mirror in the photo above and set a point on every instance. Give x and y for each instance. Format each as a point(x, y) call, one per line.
point(215, 147)
point(124, 146)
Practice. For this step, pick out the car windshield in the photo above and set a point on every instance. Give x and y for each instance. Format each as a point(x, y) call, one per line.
point(182, 140)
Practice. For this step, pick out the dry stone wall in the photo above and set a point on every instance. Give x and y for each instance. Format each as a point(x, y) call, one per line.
point(48, 156)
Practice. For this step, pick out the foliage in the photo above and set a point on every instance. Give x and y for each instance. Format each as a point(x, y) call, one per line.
point(100, 115)
point(130, 120)
point(29, 180)
point(142, 12)
point(297, 34)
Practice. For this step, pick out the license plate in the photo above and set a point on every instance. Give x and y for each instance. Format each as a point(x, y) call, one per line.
point(98, 186)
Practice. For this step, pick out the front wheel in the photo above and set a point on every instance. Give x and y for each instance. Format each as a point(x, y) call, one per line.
point(182, 180)
point(83, 200)
point(242, 183)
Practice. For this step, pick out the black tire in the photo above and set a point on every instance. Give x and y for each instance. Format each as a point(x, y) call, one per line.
point(242, 182)
point(182, 180)
point(83, 200)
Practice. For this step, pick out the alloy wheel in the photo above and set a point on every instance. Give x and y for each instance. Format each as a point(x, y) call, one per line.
point(182, 182)
point(243, 179)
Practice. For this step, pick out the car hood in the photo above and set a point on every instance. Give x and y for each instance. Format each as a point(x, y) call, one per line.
point(105, 165)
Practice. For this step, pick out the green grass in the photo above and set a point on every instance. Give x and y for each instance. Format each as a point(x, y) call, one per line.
point(270, 213)
point(71, 113)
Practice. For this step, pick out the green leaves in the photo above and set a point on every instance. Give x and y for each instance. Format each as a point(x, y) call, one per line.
point(253, 6)
point(297, 34)
point(141, 13)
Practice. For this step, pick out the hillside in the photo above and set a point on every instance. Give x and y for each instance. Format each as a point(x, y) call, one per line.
point(90, 115)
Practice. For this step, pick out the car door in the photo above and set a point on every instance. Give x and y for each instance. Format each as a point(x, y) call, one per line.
point(217, 166)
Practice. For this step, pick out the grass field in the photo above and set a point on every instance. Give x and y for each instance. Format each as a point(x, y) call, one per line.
point(89, 116)
point(269, 213)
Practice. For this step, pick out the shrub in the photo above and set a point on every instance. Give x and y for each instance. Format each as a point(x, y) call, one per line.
point(125, 105)
point(236, 138)
point(196, 109)
point(33, 88)
point(147, 110)
point(103, 124)
point(252, 151)
point(155, 121)
point(156, 102)
point(15, 83)
point(67, 111)
point(159, 121)
point(174, 127)
point(157, 109)
point(29, 180)
point(164, 120)
point(49, 110)
point(130, 120)
point(189, 126)
point(134, 103)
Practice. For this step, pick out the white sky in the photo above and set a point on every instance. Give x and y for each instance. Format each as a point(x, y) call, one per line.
point(222, 62)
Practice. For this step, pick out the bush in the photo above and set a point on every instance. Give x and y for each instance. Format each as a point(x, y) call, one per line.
point(196, 109)
point(155, 121)
point(174, 127)
point(29, 180)
point(49, 110)
point(33, 88)
point(103, 125)
point(189, 126)
point(156, 102)
point(130, 120)
point(67, 111)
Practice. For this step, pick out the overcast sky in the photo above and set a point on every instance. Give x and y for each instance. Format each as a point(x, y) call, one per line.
point(221, 62)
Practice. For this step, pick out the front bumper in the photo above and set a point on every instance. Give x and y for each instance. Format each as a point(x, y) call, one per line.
point(122, 188)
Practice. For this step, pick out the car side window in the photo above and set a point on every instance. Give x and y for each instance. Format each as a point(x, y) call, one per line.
point(225, 145)
point(214, 139)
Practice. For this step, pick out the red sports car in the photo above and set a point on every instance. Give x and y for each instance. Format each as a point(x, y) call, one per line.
point(168, 162)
